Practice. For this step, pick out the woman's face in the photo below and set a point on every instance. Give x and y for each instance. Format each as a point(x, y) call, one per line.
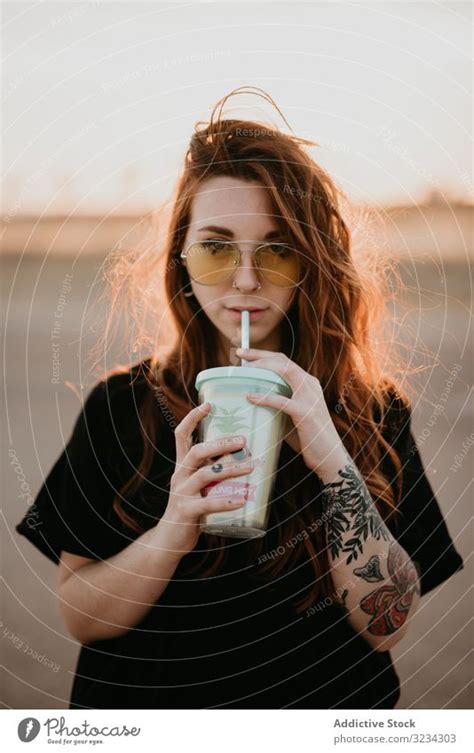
point(230, 208)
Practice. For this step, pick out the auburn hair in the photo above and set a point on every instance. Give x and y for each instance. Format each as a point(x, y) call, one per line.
point(338, 308)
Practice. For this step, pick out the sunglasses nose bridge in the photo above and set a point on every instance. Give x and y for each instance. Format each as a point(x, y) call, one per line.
point(246, 256)
point(245, 266)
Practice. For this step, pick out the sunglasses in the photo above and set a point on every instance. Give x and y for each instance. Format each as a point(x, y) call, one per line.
point(211, 262)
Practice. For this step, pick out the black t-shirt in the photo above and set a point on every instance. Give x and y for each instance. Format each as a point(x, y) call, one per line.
point(224, 641)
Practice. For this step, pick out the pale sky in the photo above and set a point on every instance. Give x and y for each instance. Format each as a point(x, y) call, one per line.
point(100, 97)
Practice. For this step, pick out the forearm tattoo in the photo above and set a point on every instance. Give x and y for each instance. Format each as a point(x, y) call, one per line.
point(389, 605)
point(350, 510)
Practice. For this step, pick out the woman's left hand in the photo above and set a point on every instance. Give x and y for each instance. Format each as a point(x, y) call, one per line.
point(306, 410)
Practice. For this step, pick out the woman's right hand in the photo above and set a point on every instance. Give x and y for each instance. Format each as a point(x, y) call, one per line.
point(180, 524)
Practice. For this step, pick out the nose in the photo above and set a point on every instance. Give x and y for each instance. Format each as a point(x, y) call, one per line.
point(246, 276)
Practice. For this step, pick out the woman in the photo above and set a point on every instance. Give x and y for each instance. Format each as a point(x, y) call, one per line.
point(171, 617)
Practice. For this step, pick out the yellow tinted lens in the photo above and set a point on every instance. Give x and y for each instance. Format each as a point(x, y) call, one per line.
point(279, 264)
point(211, 262)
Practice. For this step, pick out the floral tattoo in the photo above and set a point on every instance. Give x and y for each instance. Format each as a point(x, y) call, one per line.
point(351, 510)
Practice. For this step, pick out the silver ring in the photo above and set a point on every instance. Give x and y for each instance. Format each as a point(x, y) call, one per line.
point(217, 467)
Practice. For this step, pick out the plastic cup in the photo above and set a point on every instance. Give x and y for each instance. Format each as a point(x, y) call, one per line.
point(225, 388)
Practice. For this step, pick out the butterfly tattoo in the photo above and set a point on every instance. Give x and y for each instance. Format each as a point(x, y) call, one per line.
point(389, 605)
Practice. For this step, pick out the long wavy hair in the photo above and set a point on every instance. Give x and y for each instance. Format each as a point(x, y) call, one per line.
point(338, 308)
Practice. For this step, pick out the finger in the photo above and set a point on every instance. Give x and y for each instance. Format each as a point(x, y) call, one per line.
point(207, 505)
point(285, 404)
point(278, 362)
point(184, 430)
point(231, 457)
point(202, 452)
point(254, 352)
point(212, 474)
point(288, 370)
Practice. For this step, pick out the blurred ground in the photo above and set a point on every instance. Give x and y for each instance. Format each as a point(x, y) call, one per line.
point(39, 656)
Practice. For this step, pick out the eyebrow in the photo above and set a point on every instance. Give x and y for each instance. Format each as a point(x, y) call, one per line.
point(225, 231)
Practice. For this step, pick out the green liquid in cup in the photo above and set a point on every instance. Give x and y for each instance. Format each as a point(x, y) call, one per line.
point(225, 388)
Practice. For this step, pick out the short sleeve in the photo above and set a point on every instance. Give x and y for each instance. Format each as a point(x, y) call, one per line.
point(73, 510)
point(421, 527)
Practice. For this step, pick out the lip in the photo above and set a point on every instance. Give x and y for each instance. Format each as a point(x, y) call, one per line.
point(245, 308)
point(253, 313)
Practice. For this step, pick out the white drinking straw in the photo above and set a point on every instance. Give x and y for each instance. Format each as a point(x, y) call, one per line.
point(244, 343)
point(244, 331)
